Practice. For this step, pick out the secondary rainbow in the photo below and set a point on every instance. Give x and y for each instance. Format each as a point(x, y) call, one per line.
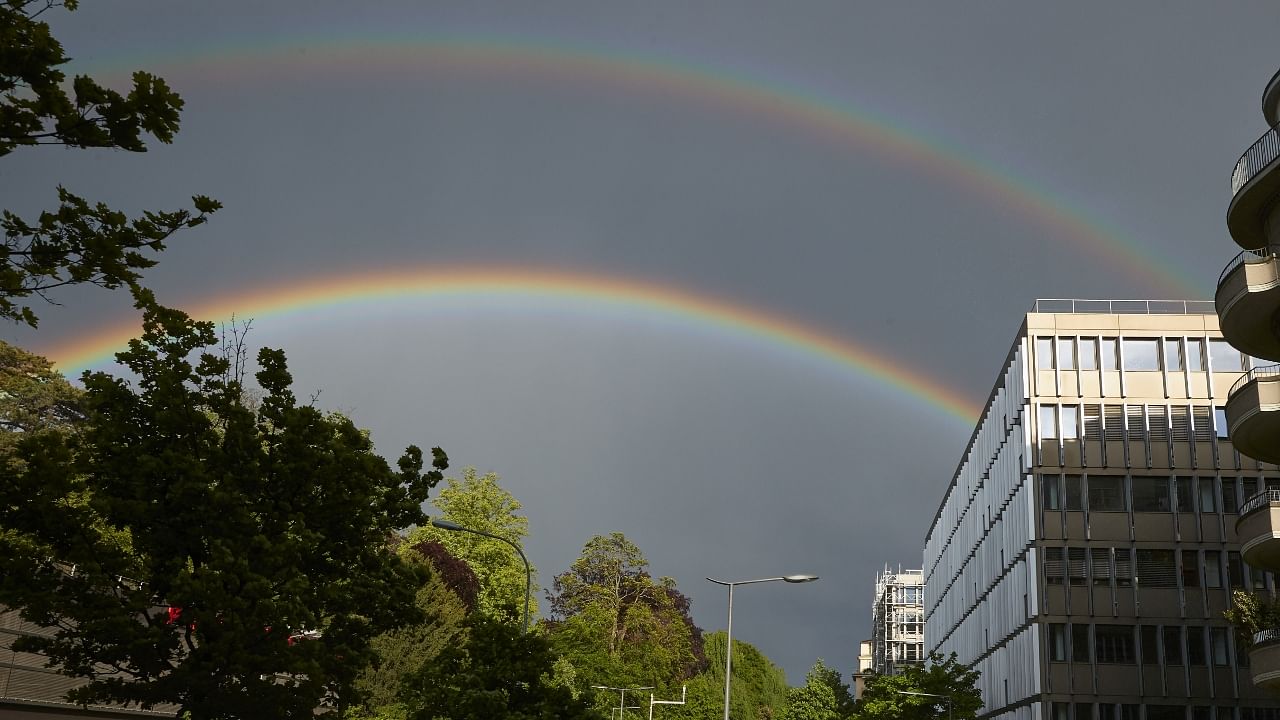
point(787, 102)
point(590, 293)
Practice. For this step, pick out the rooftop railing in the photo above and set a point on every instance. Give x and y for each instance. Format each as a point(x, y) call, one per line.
point(1254, 374)
point(1259, 501)
point(1125, 307)
point(1259, 155)
point(1262, 254)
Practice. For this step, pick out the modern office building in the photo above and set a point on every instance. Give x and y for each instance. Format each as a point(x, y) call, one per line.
point(897, 621)
point(1248, 305)
point(1086, 546)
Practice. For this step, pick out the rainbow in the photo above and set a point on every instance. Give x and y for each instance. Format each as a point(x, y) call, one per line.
point(785, 102)
point(585, 293)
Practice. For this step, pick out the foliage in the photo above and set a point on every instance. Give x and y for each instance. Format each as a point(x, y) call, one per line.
point(405, 651)
point(1251, 614)
point(80, 242)
point(817, 699)
point(499, 673)
point(456, 574)
point(882, 698)
point(758, 691)
point(619, 626)
point(251, 526)
point(480, 503)
point(33, 397)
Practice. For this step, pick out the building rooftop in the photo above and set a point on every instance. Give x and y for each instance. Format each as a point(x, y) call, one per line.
point(1124, 307)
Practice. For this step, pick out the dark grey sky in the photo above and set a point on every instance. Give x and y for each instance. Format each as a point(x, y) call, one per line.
point(717, 456)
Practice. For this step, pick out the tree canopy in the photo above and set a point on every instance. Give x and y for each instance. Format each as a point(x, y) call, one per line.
point(80, 241)
point(758, 691)
point(822, 697)
point(883, 698)
point(245, 528)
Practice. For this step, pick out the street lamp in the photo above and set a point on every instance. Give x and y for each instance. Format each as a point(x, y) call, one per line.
point(728, 639)
point(932, 695)
point(622, 700)
point(528, 574)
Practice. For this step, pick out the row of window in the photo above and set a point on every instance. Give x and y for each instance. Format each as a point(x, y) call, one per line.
point(908, 595)
point(1150, 493)
point(1125, 711)
point(1150, 568)
point(1135, 422)
point(1193, 645)
point(1138, 354)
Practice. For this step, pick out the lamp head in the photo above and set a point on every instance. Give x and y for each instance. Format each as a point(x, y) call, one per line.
point(800, 578)
point(445, 524)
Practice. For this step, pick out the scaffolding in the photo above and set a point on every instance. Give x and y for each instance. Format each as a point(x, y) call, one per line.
point(897, 621)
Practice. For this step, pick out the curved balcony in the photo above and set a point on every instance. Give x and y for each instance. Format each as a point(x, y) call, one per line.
point(1254, 182)
point(1271, 100)
point(1264, 659)
point(1248, 302)
point(1258, 528)
point(1253, 414)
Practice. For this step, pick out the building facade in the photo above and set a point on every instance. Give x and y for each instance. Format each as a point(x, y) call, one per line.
point(897, 621)
point(1086, 547)
point(1247, 300)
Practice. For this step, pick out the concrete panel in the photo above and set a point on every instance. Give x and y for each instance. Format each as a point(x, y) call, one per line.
point(1175, 682)
point(1166, 324)
point(1152, 526)
point(1188, 527)
point(1090, 384)
point(1059, 677)
point(1082, 678)
point(1182, 455)
point(1111, 382)
point(1046, 383)
point(1199, 385)
point(1079, 600)
point(1071, 457)
point(1118, 679)
point(1138, 454)
point(1204, 456)
point(1200, 683)
point(1068, 386)
point(1109, 526)
point(1177, 386)
point(1159, 602)
point(1224, 688)
point(1075, 524)
point(1051, 525)
point(1148, 384)
point(1056, 600)
point(1115, 454)
point(1210, 528)
point(1160, 455)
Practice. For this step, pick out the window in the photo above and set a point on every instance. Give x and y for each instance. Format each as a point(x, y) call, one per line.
point(1172, 354)
point(1066, 353)
point(1044, 353)
point(1195, 646)
point(1151, 494)
point(1124, 567)
point(1190, 569)
point(1229, 502)
point(1048, 422)
point(1235, 571)
point(1080, 643)
point(1212, 569)
point(1075, 565)
point(1141, 354)
point(1182, 488)
point(1106, 493)
point(1220, 422)
point(1150, 649)
point(1051, 491)
point(1075, 493)
point(1089, 353)
point(1110, 353)
point(1223, 357)
point(1218, 643)
point(1071, 422)
point(1195, 354)
point(1114, 644)
point(1156, 569)
point(1166, 712)
point(1055, 565)
point(1172, 645)
point(1084, 711)
point(1058, 642)
point(1208, 498)
point(1100, 560)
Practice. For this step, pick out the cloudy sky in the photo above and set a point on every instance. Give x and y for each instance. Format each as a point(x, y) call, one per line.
point(898, 180)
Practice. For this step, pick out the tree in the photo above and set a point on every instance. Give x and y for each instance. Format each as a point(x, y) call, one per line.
point(758, 691)
point(244, 530)
point(33, 397)
point(882, 698)
point(817, 699)
point(1250, 614)
point(480, 503)
point(618, 625)
point(80, 242)
point(499, 673)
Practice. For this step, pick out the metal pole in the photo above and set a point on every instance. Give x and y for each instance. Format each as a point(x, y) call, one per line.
point(728, 654)
point(528, 572)
point(622, 703)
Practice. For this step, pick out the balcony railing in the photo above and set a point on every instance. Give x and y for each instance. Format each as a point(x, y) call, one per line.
point(1259, 155)
point(1254, 374)
point(1249, 256)
point(1259, 501)
point(1269, 635)
point(1125, 307)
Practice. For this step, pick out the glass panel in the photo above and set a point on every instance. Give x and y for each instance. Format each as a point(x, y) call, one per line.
point(1235, 571)
point(1106, 493)
point(1208, 498)
point(1051, 491)
point(1070, 422)
point(1183, 488)
point(1058, 642)
point(1044, 353)
point(1190, 568)
point(1114, 644)
point(1173, 645)
point(1110, 352)
point(1054, 565)
point(1066, 353)
point(1048, 422)
point(1156, 568)
point(1150, 651)
point(1218, 640)
point(1089, 353)
point(1075, 496)
point(1223, 357)
point(1220, 422)
point(1080, 643)
point(1151, 494)
point(1195, 646)
point(1195, 354)
point(1229, 504)
point(1212, 569)
point(1172, 354)
point(1141, 354)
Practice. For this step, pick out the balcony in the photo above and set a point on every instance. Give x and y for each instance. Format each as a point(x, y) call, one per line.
point(1258, 528)
point(1253, 414)
point(1264, 659)
point(1254, 183)
point(1248, 301)
point(1271, 100)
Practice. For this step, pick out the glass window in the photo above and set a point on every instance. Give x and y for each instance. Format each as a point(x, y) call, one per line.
point(1208, 498)
point(1051, 491)
point(1075, 566)
point(1195, 646)
point(1223, 357)
point(1150, 649)
point(1089, 353)
point(1195, 354)
point(1106, 493)
point(1124, 567)
point(1080, 643)
point(1048, 422)
point(1172, 354)
point(1058, 642)
point(1066, 353)
point(1114, 644)
point(1084, 711)
point(1151, 494)
point(1070, 422)
point(1100, 562)
point(1229, 502)
point(1220, 422)
point(1182, 487)
point(1061, 711)
point(1075, 493)
point(1172, 645)
point(1156, 568)
point(1141, 354)
point(1129, 712)
point(1218, 643)
point(1235, 571)
point(1166, 712)
point(1190, 569)
point(1109, 350)
point(1044, 353)
point(1212, 569)
point(1055, 565)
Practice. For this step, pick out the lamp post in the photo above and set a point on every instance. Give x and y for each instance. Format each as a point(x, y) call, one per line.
point(683, 696)
point(728, 639)
point(528, 574)
point(932, 695)
point(622, 700)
